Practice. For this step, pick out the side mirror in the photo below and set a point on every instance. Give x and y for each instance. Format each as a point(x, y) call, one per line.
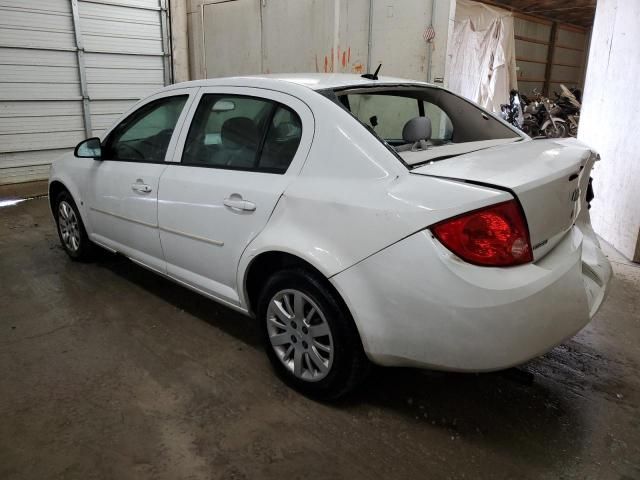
point(89, 148)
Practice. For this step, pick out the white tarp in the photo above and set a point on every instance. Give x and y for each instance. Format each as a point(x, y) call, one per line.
point(482, 63)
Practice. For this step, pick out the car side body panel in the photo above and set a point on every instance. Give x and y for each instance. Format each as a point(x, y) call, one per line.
point(333, 224)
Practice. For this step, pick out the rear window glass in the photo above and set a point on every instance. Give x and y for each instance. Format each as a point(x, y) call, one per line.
point(421, 124)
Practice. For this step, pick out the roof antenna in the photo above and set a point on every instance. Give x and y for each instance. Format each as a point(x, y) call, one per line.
point(374, 75)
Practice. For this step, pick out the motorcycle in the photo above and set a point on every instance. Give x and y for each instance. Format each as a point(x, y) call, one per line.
point(569, 105)
point(554, 126)
point(542, 117)
point(512, 111)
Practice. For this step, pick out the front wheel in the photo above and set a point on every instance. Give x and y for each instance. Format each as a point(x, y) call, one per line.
point(310, 337)
point(73, 236)
point(558, 130)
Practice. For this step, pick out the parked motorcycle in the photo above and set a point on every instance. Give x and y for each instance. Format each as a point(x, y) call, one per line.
point(542, 117)
point(554, 126)
point(569, 108)
point(512, 111)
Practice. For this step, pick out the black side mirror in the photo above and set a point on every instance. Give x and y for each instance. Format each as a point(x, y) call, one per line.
point(89, 148)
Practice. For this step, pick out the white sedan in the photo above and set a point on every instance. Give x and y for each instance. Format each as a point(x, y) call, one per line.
point(359, 220)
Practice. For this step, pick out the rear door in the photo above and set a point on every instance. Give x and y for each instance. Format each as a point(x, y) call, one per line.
point(123, 185)
point(241, 150)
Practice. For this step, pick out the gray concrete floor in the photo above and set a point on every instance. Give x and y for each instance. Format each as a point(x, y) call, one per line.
point(107, 371)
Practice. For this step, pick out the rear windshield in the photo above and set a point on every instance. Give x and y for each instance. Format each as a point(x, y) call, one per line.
point(393, 114)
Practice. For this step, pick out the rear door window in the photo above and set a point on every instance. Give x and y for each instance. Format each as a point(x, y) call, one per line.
point(242, 133)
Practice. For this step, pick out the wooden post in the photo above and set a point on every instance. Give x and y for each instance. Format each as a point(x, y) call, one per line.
point(551, 50)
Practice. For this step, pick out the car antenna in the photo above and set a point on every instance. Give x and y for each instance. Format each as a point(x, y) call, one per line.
point(374, 75)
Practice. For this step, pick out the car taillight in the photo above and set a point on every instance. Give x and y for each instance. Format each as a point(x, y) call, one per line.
point(492, 236)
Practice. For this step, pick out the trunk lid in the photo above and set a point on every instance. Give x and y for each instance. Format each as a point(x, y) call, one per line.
point(549, 178)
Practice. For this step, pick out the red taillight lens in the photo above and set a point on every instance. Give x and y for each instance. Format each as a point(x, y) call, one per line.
point(492, 236)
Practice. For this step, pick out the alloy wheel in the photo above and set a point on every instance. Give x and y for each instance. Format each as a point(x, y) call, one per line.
point(300, 335)
point(69, 226)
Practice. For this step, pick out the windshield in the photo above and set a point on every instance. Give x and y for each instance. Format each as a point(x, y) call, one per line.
point(423, 124)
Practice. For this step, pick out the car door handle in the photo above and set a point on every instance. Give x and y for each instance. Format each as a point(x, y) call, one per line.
point(238, 203)
point(141, 188)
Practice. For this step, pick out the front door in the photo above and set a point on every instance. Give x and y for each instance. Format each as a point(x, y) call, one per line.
point(243, 148)
point(123, 204)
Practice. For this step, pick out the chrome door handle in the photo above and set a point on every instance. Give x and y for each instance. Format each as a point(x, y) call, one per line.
point(238, 203)
point(141, 188)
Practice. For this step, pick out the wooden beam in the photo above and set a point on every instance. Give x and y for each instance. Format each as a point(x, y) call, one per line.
point(553, 36)
point(573, 28)
point(531, 39)
point(529, 60)
point(532, 18)
point(567, 65)
point(570, 48)
point(520, 12)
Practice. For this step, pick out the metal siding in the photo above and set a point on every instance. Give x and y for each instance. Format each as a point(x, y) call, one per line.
point(29, 24)
point(234, 23)
point(41, 115)
point(41, 157)
point(527, 88)
point(109, 28)
point(526, 28)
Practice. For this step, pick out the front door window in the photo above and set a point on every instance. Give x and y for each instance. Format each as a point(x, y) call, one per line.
point(144, 135)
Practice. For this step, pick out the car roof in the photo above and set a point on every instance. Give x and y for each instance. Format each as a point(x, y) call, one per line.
point(313, 81)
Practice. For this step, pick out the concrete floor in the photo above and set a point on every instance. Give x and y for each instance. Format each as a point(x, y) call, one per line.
point(107, 371)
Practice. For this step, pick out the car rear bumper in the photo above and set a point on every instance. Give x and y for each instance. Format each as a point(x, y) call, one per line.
point(416, 304)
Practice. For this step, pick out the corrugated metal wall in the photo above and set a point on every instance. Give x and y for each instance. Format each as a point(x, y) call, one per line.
point(59, 84)
point(537, 66)
point(318, 36)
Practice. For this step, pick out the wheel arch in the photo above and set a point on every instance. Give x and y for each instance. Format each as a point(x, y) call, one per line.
point(57, 186)
point(265, 264)
point(269, 262)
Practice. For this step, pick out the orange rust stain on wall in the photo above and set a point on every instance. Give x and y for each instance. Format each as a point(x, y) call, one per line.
point(344, 59)
point(326, 64)
point(358, 68)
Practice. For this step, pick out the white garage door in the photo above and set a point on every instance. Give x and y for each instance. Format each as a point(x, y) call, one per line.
point(68, 68)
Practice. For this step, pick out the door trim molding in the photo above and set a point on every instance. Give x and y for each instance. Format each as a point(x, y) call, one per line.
point(217, 243)
point(210, 241)
point(122, 217)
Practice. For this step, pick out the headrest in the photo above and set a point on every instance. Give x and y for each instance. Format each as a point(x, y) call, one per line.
point(416, 129)
point(240, 131)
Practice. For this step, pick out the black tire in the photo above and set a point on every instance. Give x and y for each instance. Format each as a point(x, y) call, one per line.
point(557, 131)
point(349, 364)
point(85, 250)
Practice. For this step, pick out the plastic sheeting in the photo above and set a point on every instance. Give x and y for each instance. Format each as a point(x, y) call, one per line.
point(482, 64)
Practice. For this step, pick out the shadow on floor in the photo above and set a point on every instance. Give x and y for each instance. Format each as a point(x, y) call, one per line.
point(503, 409)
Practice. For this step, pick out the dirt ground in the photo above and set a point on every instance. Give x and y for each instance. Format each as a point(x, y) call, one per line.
point(108, 371)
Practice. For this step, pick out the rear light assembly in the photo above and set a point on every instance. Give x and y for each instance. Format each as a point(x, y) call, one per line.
point(495, 236)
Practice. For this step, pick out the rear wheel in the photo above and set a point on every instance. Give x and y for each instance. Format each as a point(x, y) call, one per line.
point(558, 130)
point(73, 236)
point(310, 337)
